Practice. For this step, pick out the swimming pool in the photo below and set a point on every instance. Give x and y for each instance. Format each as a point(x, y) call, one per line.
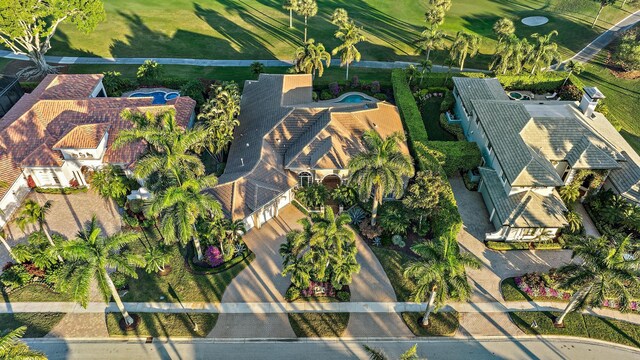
point(518, 96)
point(354, 98)
point(159, 97)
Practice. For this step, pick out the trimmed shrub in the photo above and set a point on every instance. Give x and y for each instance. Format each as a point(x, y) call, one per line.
point(542, 83)
point(506, 246)
point(149, 73)
point(355, 81)
point(292, 294)
point(325, 95)
point(453, 129)
point(334, 88)
point(455, 156)
point(375, 87)
point(195, 90)
point(380, 96)
point(570, 92)
point(448, 102)
point(61, 191)
point(444, 79)
point(343, 296)
point(408, 108)
point(119, 280)
point(314, 96)
point(115, 84)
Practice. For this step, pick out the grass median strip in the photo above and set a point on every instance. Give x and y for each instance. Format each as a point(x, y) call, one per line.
point(38, 324)
point(579, 325)
point(319, 324)
point(440, 324)
point(165, 325)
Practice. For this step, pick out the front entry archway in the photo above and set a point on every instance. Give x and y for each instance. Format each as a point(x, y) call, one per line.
point(331, 181)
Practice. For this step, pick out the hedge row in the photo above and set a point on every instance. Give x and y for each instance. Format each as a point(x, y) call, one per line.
point(447, 221)
point(444, 79)
point(61, 191)
point(506, 246)
point(539, 84)
point(455, 156)
point(408, 108)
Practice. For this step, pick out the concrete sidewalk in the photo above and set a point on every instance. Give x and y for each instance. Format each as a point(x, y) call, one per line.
point(280, 308)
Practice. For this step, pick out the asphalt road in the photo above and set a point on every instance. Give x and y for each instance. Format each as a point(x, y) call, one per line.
point(522, 348)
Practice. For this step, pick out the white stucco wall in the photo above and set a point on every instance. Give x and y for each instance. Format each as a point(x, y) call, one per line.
point(12, 199)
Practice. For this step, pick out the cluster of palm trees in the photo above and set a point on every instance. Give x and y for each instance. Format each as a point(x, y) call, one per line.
point(312, 57)
point(514, 55)
point(324, 250)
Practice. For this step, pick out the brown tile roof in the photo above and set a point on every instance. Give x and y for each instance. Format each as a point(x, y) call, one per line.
point(83, 137)
point(281, 129)
point(59, 113)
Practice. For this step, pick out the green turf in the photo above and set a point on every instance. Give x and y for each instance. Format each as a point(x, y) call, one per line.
point(431, 119)
point(622, 97)
point(440, 324)
point(235, 29)
point(393, 264)
point(165, 325)
point(38, 324)
point(580, 325)
point(35, 293)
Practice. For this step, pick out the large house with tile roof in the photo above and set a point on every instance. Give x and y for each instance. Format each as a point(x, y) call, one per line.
point(532, 148)
point(64, 128)
point(285, 140)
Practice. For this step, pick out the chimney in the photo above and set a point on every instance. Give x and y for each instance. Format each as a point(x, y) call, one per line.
point(590, 100)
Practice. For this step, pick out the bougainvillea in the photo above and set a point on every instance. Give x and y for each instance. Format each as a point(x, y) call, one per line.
point(214, 257)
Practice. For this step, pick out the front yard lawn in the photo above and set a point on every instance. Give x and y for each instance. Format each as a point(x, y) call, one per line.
point(431, 118)
point(440, 324)
point(35, 293)
point(38, 324)
point(511, 292)
point(318, 324)
point(164, 325)
point(393, 264)
point(580, 325)
point(181, 285)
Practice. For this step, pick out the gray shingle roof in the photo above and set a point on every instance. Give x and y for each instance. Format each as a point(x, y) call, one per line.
point(585, 155)
point(502, 122)
point(626, 180)
point(526, 209)
point(479, 89)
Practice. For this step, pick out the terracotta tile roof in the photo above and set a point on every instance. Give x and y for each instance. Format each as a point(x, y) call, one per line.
point(83, 137)
point(60, 113)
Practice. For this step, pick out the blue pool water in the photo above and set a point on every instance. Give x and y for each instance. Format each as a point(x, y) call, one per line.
point(159, 97)
point(355, 98)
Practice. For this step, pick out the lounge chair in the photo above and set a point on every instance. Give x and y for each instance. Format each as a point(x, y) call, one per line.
point(549, 97)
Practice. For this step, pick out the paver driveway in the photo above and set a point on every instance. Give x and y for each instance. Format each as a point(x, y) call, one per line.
point(68, 214)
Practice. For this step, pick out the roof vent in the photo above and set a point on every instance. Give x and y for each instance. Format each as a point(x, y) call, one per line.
point(247, 144)
point(241, 161)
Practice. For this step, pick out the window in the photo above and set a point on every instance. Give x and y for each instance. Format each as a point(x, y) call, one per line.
point(305, 179)
point(490, 147)
point(529, 232)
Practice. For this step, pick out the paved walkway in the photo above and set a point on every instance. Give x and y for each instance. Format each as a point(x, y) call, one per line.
point(589, 227)
point(604, 39)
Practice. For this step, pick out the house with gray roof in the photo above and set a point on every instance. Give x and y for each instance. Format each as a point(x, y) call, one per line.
point(532, 148)
point(285, 140)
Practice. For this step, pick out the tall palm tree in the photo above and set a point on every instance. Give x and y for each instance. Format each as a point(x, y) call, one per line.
point(439, 272)
point(235, 229)
point(156, 258)
point(465, 44)
point(291, 6)
point(573, 67)
point(171, 148)
point(544, 52)
point(443, 4)
point(219, 117)
point(606, 272)
point(350, 35)
point(110, 182)
point(179, 207)
point(292, 263)
point(430, 39)
point(309, 58)
point(339, 17)
point(603, 4)
point(511, 55)
point(38, 250)
point(434, 17)
point(425, 68)
point(306, 8)
point(11, 348)
point(90, 255)
point(381, 170)
point(34, 213)
point(503, 29)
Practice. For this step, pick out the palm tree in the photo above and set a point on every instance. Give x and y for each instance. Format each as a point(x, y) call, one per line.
point(573, 67)
point(257, 68)
point(309, 58)
point(510, 55)
point(574, 221)
point(156, 258)
point(569, 193)
point(292, 262)
point(219, 117)
point(306, 8)
point(291, 6)
point(90, 255)
point(110, 182)
point(443, 4)
point(503, 29)
point(378, 354)
point(544, 52)
point(430, 39)
point(465, 44)
point(38, 250)
point(434, 17)
point(235, 229)
point(171, 148)
point(339, 17)
point(439, 272)
point(350, 35)
point(179, 206)
point(34, 213)
point(381, 170)
point(603, 4)
point(11, 348)
point(425, 68)
point(605, 273)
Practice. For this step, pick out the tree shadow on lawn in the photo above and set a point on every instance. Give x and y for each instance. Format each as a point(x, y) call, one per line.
point(619, 331)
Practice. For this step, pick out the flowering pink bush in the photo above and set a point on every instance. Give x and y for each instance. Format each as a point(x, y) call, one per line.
point(214, 257)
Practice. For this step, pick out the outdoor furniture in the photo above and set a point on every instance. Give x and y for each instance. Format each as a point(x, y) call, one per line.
point(550, 97)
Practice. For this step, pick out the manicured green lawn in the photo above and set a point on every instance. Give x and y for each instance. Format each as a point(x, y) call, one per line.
point(181, 285)
point(431, 119)
point(234, 29)
point(165, 325)
point(318, 324)
point(622, 97)
point(393, 264)
point(580, 325)
point(38, 324)
point(440, 324)
point(35, 293)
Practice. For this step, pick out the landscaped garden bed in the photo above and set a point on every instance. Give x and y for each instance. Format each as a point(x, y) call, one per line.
point(440, 324)
point(165, 325)
point(579, 325)
point(507, 245)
